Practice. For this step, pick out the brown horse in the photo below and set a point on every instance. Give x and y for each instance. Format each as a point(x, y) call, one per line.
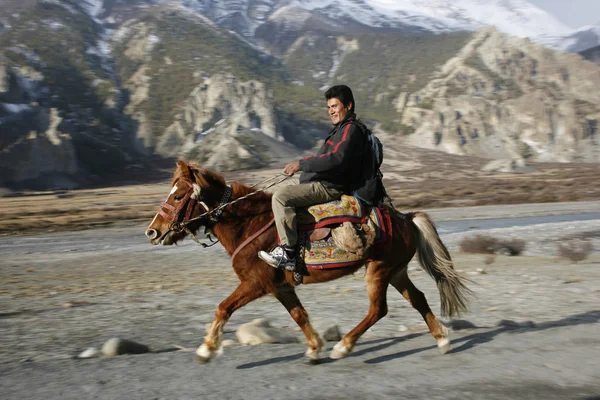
point(200, 197)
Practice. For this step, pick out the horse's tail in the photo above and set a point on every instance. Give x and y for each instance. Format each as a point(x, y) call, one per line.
point(435, 259)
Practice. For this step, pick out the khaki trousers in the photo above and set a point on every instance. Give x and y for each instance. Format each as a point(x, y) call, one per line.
point(288, 198)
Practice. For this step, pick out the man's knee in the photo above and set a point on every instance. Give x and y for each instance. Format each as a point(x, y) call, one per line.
point(282, 197)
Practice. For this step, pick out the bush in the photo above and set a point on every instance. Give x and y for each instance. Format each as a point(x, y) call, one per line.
point(479, 244)
point(512, 247)
point(482, 244)
point(575, 249)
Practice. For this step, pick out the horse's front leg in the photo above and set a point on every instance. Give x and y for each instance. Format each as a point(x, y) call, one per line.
point(242, 295)
point(287, 296)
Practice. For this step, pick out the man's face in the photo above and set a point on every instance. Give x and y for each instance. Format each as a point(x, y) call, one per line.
point(337, 111)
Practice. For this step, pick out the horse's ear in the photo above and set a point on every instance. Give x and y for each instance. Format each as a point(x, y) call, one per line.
point(185, 169)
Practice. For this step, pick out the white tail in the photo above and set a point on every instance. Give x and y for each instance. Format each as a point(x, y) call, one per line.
point(435, 259)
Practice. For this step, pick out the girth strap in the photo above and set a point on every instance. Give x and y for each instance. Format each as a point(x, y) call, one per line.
point(251, 238)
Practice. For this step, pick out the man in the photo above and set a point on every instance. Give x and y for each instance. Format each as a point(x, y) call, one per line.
point(336, 169)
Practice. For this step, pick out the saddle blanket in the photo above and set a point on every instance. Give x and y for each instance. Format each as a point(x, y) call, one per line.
point(324, 254)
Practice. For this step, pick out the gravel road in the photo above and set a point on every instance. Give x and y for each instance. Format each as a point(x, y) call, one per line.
point(532, 331)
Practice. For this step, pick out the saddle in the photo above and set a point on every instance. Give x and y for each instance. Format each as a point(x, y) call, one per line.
point(342, 233)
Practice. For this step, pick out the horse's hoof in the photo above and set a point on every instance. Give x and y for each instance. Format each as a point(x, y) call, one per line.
point(203, 354)
point(444, 345)
point(201, 360)
point(339, 351)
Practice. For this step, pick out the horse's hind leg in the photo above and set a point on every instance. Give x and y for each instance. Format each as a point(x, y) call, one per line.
point(377, 278)
point(287, 296)
point(417, 299)
point(242, 295)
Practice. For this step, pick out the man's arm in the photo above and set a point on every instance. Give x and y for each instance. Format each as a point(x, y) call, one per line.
point(344, 142)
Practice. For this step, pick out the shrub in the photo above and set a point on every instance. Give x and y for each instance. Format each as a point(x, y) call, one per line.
point(482, 244)
point(575, 249)
point(479, 244)
point(512, 247)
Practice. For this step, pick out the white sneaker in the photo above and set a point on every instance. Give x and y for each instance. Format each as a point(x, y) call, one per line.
point(278, 258)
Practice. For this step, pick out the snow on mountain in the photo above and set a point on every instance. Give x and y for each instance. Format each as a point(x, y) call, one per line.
point(579, 40)
point(516, 17)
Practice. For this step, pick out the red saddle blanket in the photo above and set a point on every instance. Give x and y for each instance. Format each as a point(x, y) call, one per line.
point(322, 254)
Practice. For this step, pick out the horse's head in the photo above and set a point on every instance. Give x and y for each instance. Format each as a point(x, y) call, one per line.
point(194, 192)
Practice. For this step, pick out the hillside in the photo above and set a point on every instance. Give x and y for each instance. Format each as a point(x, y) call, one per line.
point(504, 97)
point(60, 116)
point(95, 91)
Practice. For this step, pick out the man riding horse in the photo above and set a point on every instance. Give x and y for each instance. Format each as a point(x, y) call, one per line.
point(337, 168)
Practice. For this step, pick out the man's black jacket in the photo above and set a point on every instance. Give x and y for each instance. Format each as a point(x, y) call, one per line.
point(339, 162)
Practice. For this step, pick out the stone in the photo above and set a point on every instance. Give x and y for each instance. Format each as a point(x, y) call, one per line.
point(229, 343)
point(402, 328)
point(116, 346)
point(332, 334)
point(260, 331)
point(90, 352)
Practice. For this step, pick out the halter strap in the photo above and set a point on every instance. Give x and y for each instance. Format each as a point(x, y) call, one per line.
point(251, 238)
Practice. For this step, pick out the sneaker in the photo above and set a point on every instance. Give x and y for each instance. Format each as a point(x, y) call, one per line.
point(278, 258)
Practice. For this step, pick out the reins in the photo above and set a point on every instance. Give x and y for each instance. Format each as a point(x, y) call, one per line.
point(215, 213)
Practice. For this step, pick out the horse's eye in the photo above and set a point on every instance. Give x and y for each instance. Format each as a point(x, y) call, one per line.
point(178, 198)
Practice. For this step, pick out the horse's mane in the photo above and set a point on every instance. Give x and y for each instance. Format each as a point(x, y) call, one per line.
point(207, 178)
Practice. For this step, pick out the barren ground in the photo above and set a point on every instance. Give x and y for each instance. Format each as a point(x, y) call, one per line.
point(75, 270)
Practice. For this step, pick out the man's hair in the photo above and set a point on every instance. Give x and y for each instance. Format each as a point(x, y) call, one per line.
point(343, 93)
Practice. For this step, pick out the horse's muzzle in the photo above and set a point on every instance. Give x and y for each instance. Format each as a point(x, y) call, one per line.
point(151, 234)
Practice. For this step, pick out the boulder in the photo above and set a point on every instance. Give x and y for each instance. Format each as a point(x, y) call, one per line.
point(260, 331)
point(116, 346)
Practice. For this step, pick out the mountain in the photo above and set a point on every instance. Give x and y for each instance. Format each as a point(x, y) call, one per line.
point(574, 42)
point(507, 98)
point(92, 89)
point(517, 17)
point(59, 105)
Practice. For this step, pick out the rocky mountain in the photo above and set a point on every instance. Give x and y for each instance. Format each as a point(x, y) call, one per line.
point(59, 110)
point(90, 89)
point(573, 42)
point(505, 97)
point(517, 17)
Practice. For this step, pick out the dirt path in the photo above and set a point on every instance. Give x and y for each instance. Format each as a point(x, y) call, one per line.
point(532, 331)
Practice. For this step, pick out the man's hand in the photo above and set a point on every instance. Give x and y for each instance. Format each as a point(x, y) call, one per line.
point(292, 168)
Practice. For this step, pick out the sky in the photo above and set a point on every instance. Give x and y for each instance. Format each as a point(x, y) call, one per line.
point(573, 13)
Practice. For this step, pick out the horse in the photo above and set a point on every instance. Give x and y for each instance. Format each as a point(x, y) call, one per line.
point(241, 219)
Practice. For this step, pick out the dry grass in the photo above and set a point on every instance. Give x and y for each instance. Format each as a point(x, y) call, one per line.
point(415, 179)
point(575, 249)
point(482, 244)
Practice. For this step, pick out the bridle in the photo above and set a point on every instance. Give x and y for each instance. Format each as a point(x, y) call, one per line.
point(187, 205)
point(188, 202)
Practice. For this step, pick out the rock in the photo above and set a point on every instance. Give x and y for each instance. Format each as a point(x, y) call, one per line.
point(229, 343)
point(481, 271)
point(260, 331)
point(91, 352)
point(402, 328)
point(115, 346)
point(332, 334)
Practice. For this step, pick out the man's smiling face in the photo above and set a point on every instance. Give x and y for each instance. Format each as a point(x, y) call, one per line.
point(337, 111)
